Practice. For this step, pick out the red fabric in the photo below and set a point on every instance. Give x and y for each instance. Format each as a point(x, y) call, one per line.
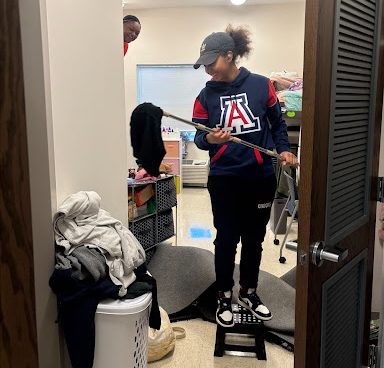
point(126, 45)
point(258, 157)
point(219, 153)
point(198, 110)
point(272, 99)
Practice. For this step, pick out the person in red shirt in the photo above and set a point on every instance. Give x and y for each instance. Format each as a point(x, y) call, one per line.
point(131, 29)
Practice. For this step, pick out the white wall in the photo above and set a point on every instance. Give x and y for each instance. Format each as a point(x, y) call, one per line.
point(174, 36)
point(74, 95)
point(41, 175)
point(87, 86)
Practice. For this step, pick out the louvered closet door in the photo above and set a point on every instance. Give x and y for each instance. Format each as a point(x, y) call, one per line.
point(351, 118)
point(342, 104)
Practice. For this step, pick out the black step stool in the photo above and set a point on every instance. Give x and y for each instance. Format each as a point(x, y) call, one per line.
point(245, 324)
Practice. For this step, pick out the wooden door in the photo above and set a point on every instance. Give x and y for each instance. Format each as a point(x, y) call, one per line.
point(18, 338)
point(342, 104)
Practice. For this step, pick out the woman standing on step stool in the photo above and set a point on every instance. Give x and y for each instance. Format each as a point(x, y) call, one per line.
point(241, 181)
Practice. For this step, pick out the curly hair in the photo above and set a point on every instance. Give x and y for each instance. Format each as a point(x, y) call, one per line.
point(242, 38)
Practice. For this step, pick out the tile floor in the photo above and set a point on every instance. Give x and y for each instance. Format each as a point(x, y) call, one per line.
point(196, 350)
point(194, 212)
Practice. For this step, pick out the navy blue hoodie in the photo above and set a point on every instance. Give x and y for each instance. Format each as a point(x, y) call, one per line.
point(249, 108)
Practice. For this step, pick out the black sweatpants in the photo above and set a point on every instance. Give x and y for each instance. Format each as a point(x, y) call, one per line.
point(241, 209)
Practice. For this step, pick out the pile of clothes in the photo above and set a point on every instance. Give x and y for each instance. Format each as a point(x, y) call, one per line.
point(289, 89)
point(96, 258)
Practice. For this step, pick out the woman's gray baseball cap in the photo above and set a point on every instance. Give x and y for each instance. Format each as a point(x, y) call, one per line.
point(215, 44)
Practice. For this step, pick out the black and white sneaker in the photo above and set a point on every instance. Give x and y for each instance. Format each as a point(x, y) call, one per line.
point(253, 303)
point(224, 313)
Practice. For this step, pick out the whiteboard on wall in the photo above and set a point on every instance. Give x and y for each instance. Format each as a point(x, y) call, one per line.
point(174, 88)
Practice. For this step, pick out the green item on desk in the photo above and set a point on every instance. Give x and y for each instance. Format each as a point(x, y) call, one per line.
point(291, 114)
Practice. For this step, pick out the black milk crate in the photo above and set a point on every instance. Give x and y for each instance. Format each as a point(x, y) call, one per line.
point(144, 230)
point(165, 225)
point(166, 194)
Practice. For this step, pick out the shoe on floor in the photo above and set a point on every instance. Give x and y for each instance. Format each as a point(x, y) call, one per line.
point(224, 313)
point(252, 302)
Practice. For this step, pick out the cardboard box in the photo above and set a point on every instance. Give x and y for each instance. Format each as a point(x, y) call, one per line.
point(144, 195)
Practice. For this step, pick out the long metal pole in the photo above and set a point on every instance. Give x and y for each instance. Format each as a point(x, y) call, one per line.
point(234, 139)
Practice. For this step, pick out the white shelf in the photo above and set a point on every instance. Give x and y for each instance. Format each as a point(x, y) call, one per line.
point(195, 172)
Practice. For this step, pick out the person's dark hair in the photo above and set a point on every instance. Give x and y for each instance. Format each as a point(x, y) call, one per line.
point(242, 38)
point(131, 18)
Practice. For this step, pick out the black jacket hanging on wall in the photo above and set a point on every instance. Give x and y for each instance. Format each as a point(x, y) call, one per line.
point(146, 140)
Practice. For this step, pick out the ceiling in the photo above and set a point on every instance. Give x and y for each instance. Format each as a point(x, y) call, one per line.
point(145, 4)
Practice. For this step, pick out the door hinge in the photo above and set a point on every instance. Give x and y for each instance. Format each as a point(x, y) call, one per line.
point(380, 189)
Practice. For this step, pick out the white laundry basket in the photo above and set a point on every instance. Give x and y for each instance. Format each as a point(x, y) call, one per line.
point(122, 333)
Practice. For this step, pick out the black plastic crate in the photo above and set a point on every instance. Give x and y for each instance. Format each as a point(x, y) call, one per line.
point(166, 194)
point(165, 225)
point(145, 232)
